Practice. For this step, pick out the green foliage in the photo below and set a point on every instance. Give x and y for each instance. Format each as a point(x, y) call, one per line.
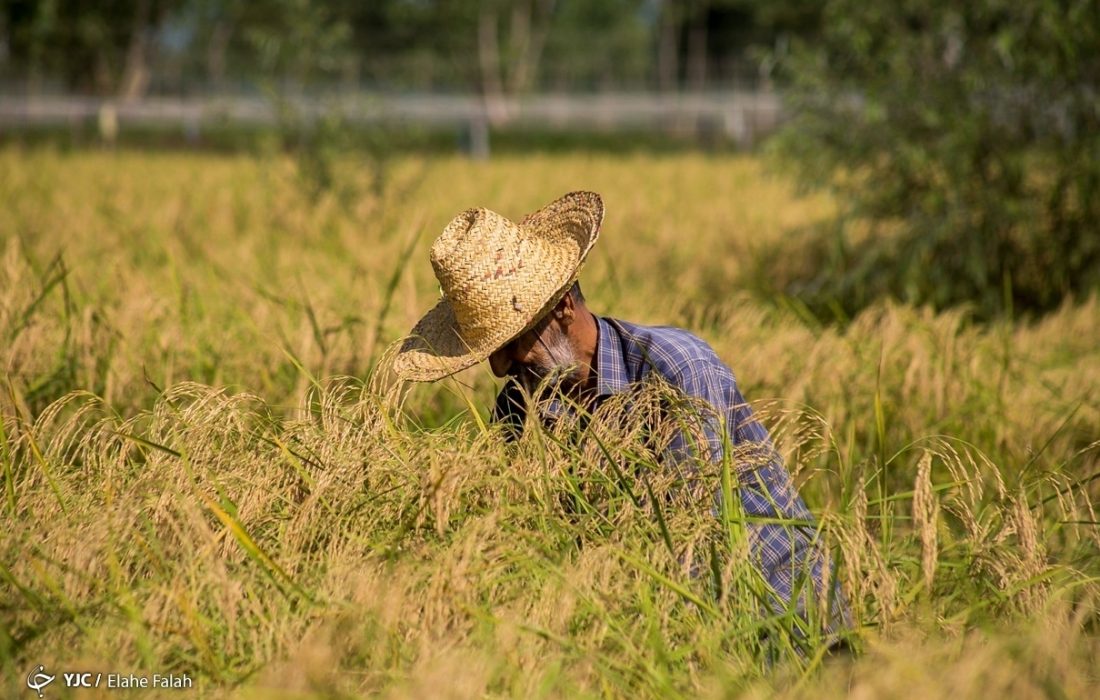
point(296, 38)
point(93, 47)
point(226, 45)
point(319, 145)
point(967, 136)
point(574, 56)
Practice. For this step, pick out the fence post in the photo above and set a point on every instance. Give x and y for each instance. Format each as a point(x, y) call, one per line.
point(477, 136)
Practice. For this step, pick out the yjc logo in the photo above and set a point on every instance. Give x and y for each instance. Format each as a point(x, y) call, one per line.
point(38, 679)
point(78, 680)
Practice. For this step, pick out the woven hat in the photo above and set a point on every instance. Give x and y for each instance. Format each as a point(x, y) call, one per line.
point(498, 279)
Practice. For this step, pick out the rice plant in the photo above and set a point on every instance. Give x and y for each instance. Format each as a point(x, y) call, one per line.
point(206, 469)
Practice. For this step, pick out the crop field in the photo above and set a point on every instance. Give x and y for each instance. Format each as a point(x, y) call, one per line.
point(206, 470)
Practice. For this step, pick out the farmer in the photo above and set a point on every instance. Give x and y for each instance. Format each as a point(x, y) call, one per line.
point(510, 296)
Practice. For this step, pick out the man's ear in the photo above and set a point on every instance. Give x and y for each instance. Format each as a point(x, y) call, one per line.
point(565, 312)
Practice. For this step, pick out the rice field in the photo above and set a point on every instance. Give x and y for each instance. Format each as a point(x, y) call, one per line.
point(206, 471)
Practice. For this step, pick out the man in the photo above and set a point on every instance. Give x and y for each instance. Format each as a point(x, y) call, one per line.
point(510, 296)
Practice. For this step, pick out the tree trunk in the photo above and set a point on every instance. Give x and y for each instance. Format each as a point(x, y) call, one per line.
point(102, 76)
point(527, 39)
point(5, 42)
point(135, 76)
point(697, 51)
point(668, 47)
point(215, 54)
point(519, 42)
point(488, 53)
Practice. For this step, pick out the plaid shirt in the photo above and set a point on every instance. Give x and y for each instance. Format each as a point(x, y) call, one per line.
point(626, 355)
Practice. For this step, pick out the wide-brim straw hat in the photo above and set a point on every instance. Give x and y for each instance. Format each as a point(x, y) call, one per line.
point(498, 279)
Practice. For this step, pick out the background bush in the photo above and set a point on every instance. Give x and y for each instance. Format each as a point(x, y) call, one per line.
point(963, 142)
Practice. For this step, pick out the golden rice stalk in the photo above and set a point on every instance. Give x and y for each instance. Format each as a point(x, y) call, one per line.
point(926, 510)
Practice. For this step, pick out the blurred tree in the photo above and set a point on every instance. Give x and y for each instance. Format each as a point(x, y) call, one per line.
point(597, 45)
point(668, 45)
point(424, 45)
point(968, 135)
point(508, 64)
point(218, 31)
point(751, 35)
point(295, 39)
point(498, 47)
point(701, 42)
point(98, 47)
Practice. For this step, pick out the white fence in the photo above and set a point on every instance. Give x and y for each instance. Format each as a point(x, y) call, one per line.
point(742, 117)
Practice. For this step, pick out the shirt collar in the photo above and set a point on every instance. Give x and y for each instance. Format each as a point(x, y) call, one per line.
point(611, 375)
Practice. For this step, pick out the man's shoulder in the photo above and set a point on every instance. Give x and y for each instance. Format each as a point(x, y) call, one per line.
point(666, 349)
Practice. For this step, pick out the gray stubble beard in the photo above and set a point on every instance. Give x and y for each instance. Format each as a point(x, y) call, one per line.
point(564, 370)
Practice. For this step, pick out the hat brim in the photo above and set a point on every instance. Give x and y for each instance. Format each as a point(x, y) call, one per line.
point(436, 347)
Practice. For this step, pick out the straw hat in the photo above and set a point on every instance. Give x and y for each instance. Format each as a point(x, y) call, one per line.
point(498, 279)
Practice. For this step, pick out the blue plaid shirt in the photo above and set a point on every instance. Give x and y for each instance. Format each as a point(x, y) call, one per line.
point(627, 354)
